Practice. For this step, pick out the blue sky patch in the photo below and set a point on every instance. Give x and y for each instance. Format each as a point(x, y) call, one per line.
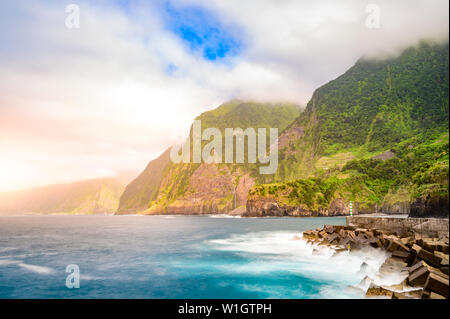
point(202, 31)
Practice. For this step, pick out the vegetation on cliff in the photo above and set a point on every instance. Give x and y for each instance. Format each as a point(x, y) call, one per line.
point(211, 189)
point(375, 133)
point(96, 196)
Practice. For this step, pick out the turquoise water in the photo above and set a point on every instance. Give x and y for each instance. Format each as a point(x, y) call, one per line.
point(170, 257)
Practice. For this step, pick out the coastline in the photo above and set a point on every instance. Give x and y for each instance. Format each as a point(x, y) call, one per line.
point(416, 264)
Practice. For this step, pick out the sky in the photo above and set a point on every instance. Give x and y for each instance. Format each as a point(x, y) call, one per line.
point(111, 95)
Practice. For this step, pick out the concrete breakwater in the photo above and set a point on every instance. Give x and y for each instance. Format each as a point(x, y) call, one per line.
point(428, 227)
point(418, 261)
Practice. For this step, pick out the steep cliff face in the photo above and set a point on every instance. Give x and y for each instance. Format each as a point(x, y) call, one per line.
point(97, 196)
point(430, 206)
point(142, 190)
point(200, 188)
point(376, 136)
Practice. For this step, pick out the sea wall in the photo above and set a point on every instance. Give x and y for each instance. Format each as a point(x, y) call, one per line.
point(421, 226)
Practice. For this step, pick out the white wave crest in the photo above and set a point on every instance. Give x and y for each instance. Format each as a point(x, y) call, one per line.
point(278, 251)
point(37, 269)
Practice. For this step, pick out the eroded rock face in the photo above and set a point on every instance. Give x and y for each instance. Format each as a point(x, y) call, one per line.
point(436, 206)
point(399, 208)
point(265, 206)
point(210, 190)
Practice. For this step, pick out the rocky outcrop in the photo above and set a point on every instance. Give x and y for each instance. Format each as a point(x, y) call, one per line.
point(431, 206)
point(267, 206)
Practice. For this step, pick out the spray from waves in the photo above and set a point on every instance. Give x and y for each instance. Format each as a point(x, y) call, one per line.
point(37, 269)
point(277, 251)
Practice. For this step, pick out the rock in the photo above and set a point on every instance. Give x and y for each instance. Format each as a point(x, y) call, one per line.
point(369, 234)
point(351, 234)
point(430, 206)
point(400, 254)
point(323, 234)
point(419, 277)
point(310, 234)
point(437, 284)
point(401, 295)
point(344, 242)
point(332, 237)
point(396, 245)
point(375, 243)
point(443, 248)
point(408, 241)
point(417, 266)
point(444, 261)
point(444, 269)
point(412, 255)
point(360, 231)
point(377, 291)
point(415, 294)
point(329, 229)
point(436, 296)
point(429, 257)
point(425, 294)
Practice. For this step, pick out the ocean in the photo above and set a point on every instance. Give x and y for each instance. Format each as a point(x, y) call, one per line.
point(174, 257)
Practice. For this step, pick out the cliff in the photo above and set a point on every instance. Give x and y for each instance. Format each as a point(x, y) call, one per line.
point(376, 136)
point(201, 188)
point(96, 196)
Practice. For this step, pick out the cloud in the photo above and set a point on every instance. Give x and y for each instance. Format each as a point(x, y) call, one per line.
point(79, 103)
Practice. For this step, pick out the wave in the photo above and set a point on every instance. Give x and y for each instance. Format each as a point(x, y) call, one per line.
point(5, 262)
point(271, 252)
point(37, 269)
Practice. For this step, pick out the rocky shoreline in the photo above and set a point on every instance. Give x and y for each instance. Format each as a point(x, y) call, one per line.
point(420, 263)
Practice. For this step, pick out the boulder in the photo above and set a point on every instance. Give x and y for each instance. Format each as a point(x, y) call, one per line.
point(437, 284)
point(418, 277)
point(444, 260)
point(396, 245)
point(332, 237)
point(310, 234)
point(425, 294)
point(417, 266)
point(375, 242)
point(323, 234)
point(400, 254)
point(444, 269)
point(429, 257)
point(434, 295)
point(329, 229)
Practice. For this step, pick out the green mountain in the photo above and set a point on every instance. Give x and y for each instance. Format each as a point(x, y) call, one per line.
point(96, 196)
point(144, 189)
point(377, 136)
point(165, 187)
